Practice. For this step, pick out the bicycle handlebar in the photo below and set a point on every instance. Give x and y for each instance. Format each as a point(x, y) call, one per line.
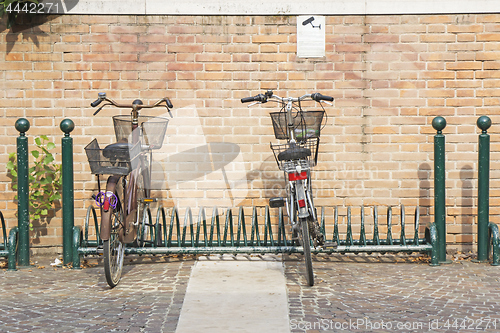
point(258, 98)
point(263, 98)
point(136, 105)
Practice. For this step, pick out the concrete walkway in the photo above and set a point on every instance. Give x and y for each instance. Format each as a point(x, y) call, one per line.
point(229, 295)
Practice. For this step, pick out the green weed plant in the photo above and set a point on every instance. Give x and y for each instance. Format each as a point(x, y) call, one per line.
point(44, 179)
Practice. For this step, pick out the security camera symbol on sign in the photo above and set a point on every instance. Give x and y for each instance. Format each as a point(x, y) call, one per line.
point(310, 21)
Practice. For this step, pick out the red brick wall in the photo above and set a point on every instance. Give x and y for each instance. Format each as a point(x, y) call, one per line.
point(390, 75)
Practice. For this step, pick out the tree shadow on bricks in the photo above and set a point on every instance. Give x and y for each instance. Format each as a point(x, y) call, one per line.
point(26, 26)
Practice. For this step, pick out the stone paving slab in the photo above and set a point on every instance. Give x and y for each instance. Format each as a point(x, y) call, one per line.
point(235, 296)
point(351, 294)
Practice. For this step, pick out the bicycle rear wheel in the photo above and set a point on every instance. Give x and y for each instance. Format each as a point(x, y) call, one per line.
point(113, 248)
point(306, 245)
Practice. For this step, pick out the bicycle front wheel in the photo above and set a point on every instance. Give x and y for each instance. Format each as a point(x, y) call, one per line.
point(142, 192)
point(306, 245)
point(113, 248)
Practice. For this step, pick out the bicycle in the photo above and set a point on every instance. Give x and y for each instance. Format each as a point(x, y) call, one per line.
point(127, 195)
point(295, 158)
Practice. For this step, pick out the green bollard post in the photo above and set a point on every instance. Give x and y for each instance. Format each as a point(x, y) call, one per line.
point(439, 123)
point(68, 206)
point(483, 192)
point(23, 216)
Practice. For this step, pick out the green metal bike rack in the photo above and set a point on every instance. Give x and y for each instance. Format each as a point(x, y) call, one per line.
point(230, 233)
point(439, 123)
point(8, 248)
point(483, 205)
point(68, 208)
point(488, 236)
point(23, 217)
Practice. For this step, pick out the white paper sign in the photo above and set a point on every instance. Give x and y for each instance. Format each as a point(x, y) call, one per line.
point(310, 36)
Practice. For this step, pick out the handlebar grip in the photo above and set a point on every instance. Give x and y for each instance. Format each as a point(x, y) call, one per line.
point(96, 102)
point(258, 98)
point(318, 97)
point(248, 99)
point(169, 103)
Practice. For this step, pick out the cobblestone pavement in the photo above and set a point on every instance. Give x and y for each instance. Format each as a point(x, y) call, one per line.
point(351, 294)
point(393, 294)
point(148, 298)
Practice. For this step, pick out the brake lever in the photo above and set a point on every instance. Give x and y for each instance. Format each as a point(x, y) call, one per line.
point(252, 104)
point(329, 103)
point(97, 111)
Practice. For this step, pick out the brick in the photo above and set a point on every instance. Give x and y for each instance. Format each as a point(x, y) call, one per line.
point(464, 65)
point(14, 57)
point(269, 39)
point(438, 38)
point(488, 37)
point(212, 57)
point(52, 57)
point(184, 67)
point(100, 57)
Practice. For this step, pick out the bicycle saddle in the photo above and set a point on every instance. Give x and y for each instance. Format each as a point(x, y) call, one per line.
point(119, 150)
point(294, 153)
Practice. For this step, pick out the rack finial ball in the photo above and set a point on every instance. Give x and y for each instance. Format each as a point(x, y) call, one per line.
point(484, 122)
point(439, 123)
point(22, 125)
point(67, 125)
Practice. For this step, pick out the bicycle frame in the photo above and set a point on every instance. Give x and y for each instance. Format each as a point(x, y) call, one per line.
point(298, 183)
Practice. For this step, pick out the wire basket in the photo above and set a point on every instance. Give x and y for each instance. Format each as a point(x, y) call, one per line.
point(306, 124)
point(152, 129)
point(119, 164)
point(306, 162)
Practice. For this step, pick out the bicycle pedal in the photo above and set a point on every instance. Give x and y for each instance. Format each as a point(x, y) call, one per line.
point(276, 202)
point(149, 200)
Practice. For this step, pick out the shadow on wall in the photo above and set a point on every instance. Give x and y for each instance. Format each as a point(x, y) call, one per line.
point(467, 205)
point(425, 201)
point(273, 184)
point(41, 226)
point(26, 25)
point(465, 218)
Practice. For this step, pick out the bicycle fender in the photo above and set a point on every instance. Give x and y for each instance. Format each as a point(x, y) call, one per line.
point(301, 199)
point(105, 231)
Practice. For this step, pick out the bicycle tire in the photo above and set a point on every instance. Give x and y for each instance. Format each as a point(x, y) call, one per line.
point(113, 248)
point(306, 245)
